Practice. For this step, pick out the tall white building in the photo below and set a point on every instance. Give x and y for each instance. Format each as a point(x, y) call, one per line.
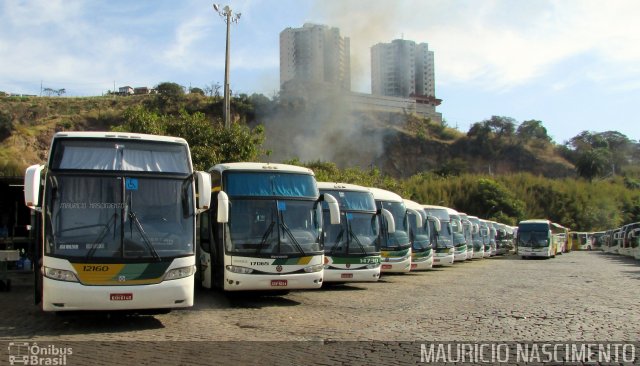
point(315, 53)
point(402, 68)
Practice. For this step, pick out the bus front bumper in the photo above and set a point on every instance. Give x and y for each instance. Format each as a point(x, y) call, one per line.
point(352, 275)
point(249, 282)
point(445, 260)
point(70, 296)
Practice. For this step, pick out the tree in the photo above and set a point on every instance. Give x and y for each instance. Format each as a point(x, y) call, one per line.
point(196, 91)
point(169, 96)
point(210, 144)
point(593, 163)
point(532, 130)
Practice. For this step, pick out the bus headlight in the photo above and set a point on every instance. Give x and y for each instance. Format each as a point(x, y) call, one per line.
point(314, 268)
point(181, 272)
point(60, 274)
point(373, 265)
point(451, 250)
point(238, 269)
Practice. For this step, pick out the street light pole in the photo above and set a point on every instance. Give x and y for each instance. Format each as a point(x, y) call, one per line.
point(227, 14)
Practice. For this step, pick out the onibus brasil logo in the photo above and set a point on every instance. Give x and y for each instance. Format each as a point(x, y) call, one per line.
point(26, 353)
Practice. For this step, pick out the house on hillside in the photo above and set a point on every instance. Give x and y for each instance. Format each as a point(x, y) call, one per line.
point(125, 90)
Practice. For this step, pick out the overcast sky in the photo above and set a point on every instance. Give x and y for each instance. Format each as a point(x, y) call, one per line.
point(572, 64)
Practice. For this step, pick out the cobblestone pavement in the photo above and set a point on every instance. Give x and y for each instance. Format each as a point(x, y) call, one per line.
point(578, 296)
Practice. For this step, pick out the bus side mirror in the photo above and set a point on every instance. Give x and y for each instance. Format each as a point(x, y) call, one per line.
point(334, 208)
point(418, 217)
point(391, 222)
point(223, 207)
point(32, 186)
point(436, 223)
point(203, 180)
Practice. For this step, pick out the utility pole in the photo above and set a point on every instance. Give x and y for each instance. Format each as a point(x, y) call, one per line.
point(227, 14)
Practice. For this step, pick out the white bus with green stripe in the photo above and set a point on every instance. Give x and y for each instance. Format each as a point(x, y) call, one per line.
point(352, 247)
point(264, 229)
point(476, 237)
point(442, 235)
point(459, 240)
point(115, 222)
point(395, 247)
point(421, 245)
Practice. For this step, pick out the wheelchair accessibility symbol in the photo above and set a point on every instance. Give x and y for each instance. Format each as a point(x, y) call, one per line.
point(131, 184)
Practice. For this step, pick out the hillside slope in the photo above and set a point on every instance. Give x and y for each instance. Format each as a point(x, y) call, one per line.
point(400, 146)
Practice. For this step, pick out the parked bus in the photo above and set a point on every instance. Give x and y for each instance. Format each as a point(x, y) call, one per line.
point(352, 247)
point(598, 239)
point(485, 233)
point(264, 229)
point(634, 237)
point(421, 251)
point(534, 239)
point(559, 237)
point(115, 222)
point(467, 228)
point(395, 247)
point(441, 234)
point(459, 241)
point(627, 248)
point(476, 238)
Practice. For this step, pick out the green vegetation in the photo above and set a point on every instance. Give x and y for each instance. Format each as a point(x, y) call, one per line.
point(500, 169)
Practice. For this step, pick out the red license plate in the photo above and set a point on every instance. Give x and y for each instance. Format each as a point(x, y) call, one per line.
point(279, 283)
point(346, 275)
point(121, 297)
point(414, 266)
point(386, 266)
point(436, 260)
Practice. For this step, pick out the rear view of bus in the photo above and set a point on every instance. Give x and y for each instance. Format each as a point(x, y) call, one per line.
point(116, 223)
point(352, 247)
point(534, 239)
point(441, 234)
point(395, 247)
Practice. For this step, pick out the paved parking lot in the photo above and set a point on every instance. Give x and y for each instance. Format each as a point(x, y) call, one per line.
point(579, 296)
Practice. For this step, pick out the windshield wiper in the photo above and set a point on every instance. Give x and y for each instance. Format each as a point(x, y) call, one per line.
point(143, 234)
point(351, 234)
point(286, 229)
point(103, 234)
point(265, 236)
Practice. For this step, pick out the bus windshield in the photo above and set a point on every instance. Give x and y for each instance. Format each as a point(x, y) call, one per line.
point(421, 238)
point(533, 238)
point(118, 217)
point(400, 237)
point(268, 227)
point(357, 233)
point(444, 237)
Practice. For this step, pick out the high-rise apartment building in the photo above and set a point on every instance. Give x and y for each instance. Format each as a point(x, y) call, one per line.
point(315, 53)
point(402, 68)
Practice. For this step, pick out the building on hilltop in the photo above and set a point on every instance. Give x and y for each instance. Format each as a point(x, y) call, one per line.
point(315, 53)
point(402, 68)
